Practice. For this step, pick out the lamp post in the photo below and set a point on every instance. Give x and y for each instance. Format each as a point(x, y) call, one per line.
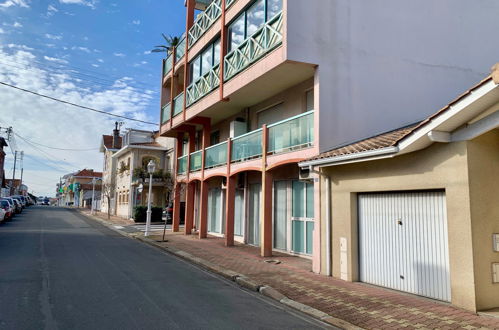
point(151, 167)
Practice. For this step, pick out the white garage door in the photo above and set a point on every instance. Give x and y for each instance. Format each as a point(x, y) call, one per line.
point(403, 242)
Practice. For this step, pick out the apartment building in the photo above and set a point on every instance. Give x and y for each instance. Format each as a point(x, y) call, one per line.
point(257, 86)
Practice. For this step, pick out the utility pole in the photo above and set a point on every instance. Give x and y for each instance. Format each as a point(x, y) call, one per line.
point(22, 167)
point(13, 174)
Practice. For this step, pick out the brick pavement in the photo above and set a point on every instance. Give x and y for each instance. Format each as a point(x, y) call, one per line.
point(357, 303)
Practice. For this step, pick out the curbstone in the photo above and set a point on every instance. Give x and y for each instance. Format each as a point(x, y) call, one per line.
point(271, 293)
point(304, 308)
point(247, 283)
point(340, 323)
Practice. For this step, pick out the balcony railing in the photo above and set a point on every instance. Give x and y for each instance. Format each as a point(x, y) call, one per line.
point(178, 104)
point(265, 39)
point(204, 21)
point(180, 50)
point(228, 3)
point(203, 85)
point(293, 133)
point(182, 164)
point(168, 64)
point(166, 112)
point(196, 161)
point(247, 146)
point(216, 155)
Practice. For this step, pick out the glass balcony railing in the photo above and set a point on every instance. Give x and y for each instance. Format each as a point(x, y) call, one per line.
point(182, 164)
point(166, 112)
point(178, 104)
point(247, 146)
point(196, 161)
point(254, 47)
point(293, 133)
point(204, 21)
point(216, 155)
point(203, 85)
point(180, 50)
point(168, 64)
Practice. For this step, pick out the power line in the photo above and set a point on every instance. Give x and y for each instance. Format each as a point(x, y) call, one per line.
point(77, 105)
point(42, 145)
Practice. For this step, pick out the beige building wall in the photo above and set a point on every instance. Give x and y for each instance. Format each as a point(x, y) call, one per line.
point(440, 166)
point(483, 161)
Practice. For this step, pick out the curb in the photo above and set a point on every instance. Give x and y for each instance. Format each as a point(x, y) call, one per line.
point(241, 280)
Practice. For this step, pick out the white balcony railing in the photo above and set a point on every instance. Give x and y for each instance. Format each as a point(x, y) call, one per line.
point(203, 85)
point(204, 21)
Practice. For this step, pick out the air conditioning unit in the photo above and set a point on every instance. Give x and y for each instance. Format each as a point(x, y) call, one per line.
point(238, 127)
point(304, 174)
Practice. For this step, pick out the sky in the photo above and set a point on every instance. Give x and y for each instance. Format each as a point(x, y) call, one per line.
point(95, 53)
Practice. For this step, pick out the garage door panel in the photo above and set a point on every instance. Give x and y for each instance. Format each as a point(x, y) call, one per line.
point(403, 242)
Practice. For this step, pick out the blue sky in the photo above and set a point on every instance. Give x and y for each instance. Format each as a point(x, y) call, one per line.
point(94, 53)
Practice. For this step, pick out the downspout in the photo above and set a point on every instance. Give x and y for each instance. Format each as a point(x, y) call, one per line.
point(328, 226)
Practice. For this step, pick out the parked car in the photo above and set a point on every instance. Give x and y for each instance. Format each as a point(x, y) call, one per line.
point(8, 207)
point(2, 215)
point(22, 199)
point(17, 203)
point(46, 201)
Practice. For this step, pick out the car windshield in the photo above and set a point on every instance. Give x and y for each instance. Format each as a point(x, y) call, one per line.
point(4, 203)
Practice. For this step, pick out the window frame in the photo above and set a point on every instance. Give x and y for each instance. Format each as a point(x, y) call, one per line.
point(199, 57)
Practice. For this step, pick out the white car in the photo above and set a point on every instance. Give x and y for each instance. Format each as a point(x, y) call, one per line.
point(2, 214)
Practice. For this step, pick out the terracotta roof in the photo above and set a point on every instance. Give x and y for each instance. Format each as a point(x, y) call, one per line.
point(392, 138)
point(89, 173)
point(148, 144)
point(380, 141)
point(108, 141)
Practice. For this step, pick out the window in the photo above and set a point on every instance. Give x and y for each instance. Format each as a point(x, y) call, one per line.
point(214, 138)
point(205, 61)
point(309, 96)
point(302, 224)
point(271, 115)
point(251, 20)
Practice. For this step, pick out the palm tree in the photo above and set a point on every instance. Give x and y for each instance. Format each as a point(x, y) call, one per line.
point(168, 48)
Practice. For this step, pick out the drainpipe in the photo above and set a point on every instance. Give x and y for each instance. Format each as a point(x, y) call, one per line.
point(328, 226)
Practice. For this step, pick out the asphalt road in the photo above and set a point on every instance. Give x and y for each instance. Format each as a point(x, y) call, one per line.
point(60, 270)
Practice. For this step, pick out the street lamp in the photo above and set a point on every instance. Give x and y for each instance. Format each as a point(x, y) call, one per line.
point(94, 180)
point(151, 167)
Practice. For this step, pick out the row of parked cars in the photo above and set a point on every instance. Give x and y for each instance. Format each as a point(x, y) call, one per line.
point(12, 205)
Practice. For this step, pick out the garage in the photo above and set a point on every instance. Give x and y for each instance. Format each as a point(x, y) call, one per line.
point(403, 242)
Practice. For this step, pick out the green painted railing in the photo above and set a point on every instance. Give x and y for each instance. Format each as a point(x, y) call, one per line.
point(180, 50)
point(228, 3)
point(178, 104)
point(203, 85)
point(247, 146)
point(204, 21)
point(216, 155)
point(166, 112)
point(182, 164)
point(254, 47)
point(168, 64)
point(293, 133)
point(196, 161)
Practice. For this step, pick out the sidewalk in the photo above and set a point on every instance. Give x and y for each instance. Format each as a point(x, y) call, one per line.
point(356, 303)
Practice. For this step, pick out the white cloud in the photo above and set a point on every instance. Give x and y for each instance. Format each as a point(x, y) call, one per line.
point(51, 10)
point(95, 65)
point(16, 46)
point(136, 22)
point(1, 31)
point(88, 3)
point(100, 60)
point(147, 52)
point(53, 36)
point(54, 59)
point(10, 3)
point(83, 49)
point(119, 54)
point(17, 25)
point(60, 125)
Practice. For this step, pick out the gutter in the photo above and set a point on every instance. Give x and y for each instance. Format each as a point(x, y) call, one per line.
point(352, 158)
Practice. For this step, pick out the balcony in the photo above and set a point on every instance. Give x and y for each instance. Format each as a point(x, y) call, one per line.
point(166, 112)
point(182, 164)
point(264, 40)
point(167, 65)
point(228, 3)
point(178, 104)
point(196, 161)
point(204, 21)
point(203, 85)
point(292, 134)
point(180, 50)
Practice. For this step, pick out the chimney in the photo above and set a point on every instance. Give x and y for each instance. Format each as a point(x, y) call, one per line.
point(116, 136)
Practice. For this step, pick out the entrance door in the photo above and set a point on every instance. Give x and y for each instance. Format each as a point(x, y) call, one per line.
point(254, 214)
point(215, 211)
point(239, 213)
point(280, 214)
point(302, 217)
point(403, 242)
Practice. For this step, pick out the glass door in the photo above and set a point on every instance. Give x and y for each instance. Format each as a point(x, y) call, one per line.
point(280, 214)
point(254, 214)
point(302, 217)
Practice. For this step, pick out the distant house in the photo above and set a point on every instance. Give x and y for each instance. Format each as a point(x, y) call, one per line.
point(110, 144)
point(77, 185)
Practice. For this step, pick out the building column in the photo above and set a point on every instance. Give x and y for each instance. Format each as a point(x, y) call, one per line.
point(266, 207)
point(176, 207)
point(189, 208)
point(230, 196)
point(203, 210)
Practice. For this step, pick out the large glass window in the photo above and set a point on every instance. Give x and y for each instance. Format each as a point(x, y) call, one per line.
point(251, 20)
point(204, 62)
